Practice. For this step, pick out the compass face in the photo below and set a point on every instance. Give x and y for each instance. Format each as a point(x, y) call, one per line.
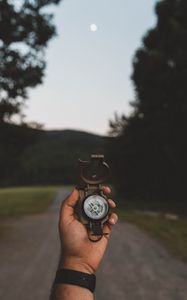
point(95, 207)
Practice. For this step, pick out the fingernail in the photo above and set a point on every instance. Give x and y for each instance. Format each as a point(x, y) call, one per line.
point(112, 221)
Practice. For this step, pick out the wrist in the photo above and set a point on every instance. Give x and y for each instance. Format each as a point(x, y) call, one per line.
point(76, 278)
point(75, 263)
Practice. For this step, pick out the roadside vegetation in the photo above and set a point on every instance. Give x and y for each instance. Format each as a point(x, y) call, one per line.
point(170, 229)
point(15, 202)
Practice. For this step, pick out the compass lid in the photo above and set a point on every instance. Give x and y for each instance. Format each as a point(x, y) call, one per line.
point(95, 171)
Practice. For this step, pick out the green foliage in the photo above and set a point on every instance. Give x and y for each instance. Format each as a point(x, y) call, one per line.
point(149, 155)
point(29, 156)
point(13, 142)
point(25, 30)
point(172, 233)
point(16, 202)
point(54, 158)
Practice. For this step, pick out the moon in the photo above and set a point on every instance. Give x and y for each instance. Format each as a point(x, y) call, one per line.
point(93, 27)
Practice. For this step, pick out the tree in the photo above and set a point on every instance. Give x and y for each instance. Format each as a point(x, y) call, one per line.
point(153, 148)
point(25, 29)
point(160, 66)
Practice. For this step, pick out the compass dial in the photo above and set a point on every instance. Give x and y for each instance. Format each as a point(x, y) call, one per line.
point(95, 207)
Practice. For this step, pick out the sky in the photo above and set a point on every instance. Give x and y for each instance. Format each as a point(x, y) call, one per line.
point(87, 79)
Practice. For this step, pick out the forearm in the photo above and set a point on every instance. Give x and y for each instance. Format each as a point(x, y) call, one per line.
point(70, 292)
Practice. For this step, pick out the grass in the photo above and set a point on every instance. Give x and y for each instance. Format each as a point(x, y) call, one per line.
point(15, 202)
point(172, 233)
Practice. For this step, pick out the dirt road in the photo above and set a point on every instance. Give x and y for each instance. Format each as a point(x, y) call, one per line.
point(135, 266)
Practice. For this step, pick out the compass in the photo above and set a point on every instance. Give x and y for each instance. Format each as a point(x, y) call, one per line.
point(92, 207)
point(95, 207)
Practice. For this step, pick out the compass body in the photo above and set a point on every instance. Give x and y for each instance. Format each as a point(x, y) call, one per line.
point(92, 207)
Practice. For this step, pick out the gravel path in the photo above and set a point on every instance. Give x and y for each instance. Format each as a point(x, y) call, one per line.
point(29, 256)
point(135, 266)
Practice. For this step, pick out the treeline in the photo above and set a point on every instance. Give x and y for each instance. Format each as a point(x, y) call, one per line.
point(32, 157)
point(150, 152)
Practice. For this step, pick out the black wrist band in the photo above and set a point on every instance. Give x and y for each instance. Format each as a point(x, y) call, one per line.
point(68, 276)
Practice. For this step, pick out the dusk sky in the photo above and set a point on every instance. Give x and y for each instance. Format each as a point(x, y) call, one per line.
point(88, 72)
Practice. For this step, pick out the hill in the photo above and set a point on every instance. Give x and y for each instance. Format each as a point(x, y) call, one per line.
point(29, 156)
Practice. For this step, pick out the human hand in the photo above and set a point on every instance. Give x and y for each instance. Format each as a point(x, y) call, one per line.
point(78, 252)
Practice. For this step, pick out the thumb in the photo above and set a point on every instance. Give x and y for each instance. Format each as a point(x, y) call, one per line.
point(72, 199)
point(67, 207)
